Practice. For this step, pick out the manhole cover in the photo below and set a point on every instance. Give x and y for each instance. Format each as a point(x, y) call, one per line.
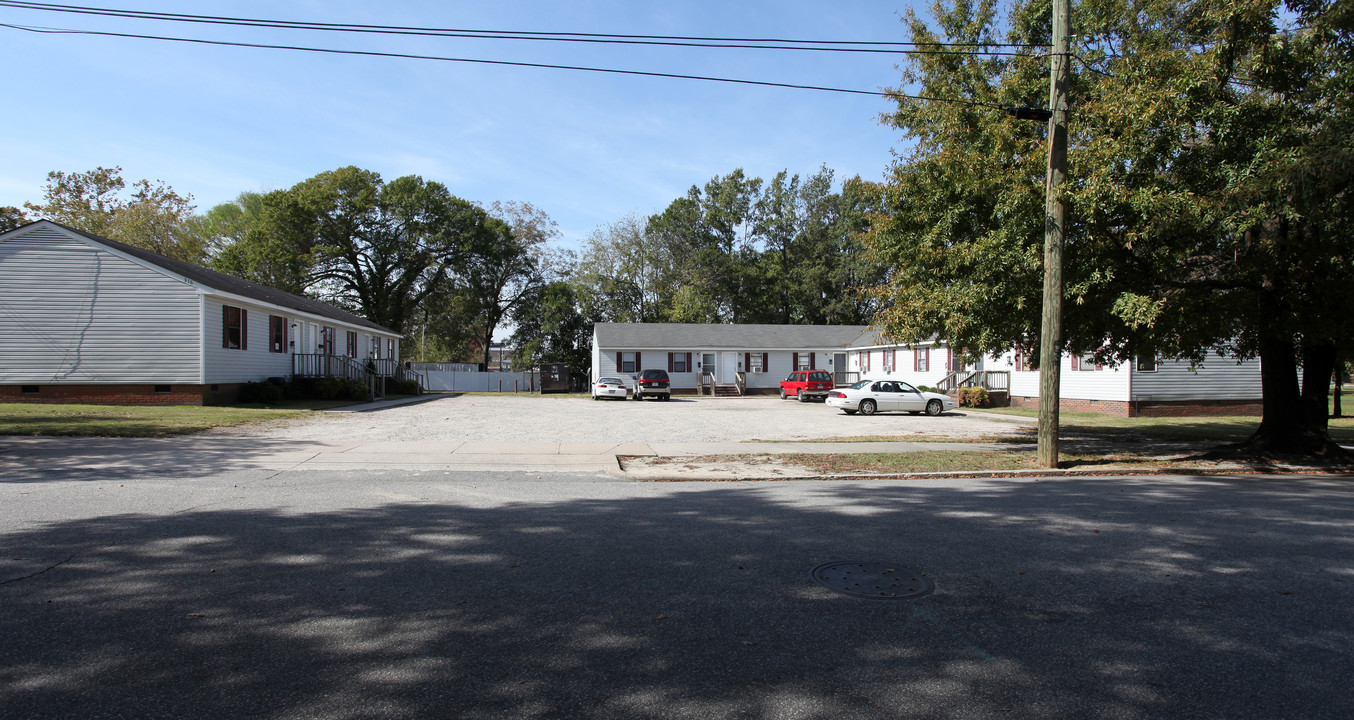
point(871, 579)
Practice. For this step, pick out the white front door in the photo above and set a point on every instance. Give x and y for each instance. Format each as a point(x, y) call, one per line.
point(728, 368)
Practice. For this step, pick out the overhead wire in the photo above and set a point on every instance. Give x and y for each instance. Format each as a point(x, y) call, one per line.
point(495, 34)
point(481, 61)
point(615, 38)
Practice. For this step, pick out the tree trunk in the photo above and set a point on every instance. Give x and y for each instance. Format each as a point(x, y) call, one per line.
point(1339, 371)
point(1318, 364)
point(1290, 424)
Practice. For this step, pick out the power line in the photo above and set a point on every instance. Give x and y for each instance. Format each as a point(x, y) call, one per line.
point(889, 47)
point(511, 63)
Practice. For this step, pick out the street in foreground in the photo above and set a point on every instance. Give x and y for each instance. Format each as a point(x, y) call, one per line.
point(359, 594)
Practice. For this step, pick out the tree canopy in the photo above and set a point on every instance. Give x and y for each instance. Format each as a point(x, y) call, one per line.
point(1209, 161)
point(153, 216)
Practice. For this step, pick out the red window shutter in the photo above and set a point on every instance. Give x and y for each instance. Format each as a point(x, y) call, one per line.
point(916, 360)
point(688, 363)
point(813, 361)
point(670, 368)
point(244, 329)
point(620, 359)
point(225, 326)
point(765, 366)
point(747, 362)
point(1076, 363)
point(1019, 361)
point(794, 361)
point(637, 365)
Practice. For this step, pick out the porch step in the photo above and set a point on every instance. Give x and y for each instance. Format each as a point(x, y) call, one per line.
point(727, 391)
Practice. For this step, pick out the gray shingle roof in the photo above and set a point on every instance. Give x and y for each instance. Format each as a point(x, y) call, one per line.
point(640, 336)
point(233, 285)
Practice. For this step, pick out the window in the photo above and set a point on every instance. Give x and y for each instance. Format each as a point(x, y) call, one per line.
point(327, 340)
point(277, 334)
point(890, 358)
point(803, 361)
point(1084, 362)
point(352, 344)
point(755, 362)
point(234, 331)
point(923, 359)
point(865, 362)
point(1147, 363)
point(627, 362)
point(679, 362)
point(390, 348)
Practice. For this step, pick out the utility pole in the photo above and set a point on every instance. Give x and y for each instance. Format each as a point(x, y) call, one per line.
point(1055, 215)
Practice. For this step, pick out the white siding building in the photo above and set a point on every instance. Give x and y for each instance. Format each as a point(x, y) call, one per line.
point(708, 358)
point(87, 319)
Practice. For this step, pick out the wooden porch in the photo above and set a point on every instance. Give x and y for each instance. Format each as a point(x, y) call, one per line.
point(997, 383)
point(371, 372)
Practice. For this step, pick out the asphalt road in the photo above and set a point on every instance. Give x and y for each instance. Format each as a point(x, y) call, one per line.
point(300, 594)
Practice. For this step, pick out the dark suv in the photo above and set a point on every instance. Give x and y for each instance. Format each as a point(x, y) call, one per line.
point(652, 383)
point(806, 384)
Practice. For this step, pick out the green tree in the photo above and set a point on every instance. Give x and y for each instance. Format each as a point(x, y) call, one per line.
point(382, 248)
point(550, 327)
point(1208, 155)
point(504, 270)
point(154, 217)
point(11, 217)
point(265, 238)
point(624, 274)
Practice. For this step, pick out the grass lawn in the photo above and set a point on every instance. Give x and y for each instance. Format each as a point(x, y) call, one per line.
point(946, 461)
point(1210, 429)
point(125, 421)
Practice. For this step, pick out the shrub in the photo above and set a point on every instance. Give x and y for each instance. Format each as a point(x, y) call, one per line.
point(401, 387)
point(264, 393)
point(975, 397)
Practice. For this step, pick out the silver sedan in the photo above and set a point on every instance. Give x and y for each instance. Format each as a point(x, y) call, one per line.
point(871, 396)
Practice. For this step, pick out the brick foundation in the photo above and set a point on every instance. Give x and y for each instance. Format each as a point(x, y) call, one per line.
point(107, 394)
point(1173, 408)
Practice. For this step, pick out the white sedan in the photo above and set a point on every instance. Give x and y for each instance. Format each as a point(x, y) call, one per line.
point(871, 396)
point(609, 387)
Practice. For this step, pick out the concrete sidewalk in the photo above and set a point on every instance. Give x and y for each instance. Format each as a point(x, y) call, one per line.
point(204, 454)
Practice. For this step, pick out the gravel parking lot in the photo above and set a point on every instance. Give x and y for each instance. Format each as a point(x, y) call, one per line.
point(536, 418)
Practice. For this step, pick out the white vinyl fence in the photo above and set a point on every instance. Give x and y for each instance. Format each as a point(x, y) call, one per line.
point(462, 377)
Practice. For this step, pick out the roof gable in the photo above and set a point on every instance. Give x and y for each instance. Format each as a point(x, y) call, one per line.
point(219, 282)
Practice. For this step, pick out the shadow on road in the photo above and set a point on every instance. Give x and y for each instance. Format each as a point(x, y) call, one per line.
point(1077, 598)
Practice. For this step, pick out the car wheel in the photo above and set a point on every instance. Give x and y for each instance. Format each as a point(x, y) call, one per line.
point(667, 397)
point(782, 394)
point(800, 397)
point(933, 407)
point(867, 407)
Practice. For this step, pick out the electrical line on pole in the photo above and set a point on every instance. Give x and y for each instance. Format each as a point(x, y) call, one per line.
point(1055, 217)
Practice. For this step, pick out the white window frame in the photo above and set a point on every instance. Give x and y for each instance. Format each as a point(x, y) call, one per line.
point(628, 357)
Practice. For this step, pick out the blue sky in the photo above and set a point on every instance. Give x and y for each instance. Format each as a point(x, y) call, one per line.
point(586, 148)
